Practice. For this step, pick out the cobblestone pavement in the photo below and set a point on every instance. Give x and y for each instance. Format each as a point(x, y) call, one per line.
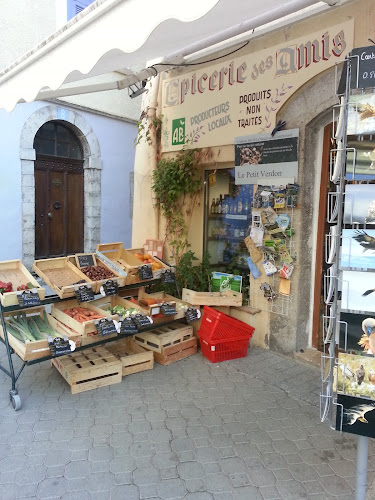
point(244, 429)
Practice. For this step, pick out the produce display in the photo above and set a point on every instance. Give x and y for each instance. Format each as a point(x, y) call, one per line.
point(29, 286)
point(81, 314)
point(123, 311)
point(147, 259)
point(6, 287)
point(97, 273)
point(30, 329)
point(63, 277)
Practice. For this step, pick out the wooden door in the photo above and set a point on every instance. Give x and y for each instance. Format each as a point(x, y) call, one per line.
point(323, 229)
point(58, 206)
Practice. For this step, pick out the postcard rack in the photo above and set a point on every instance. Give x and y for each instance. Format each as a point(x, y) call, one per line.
point(340, 216)
point(50, 299)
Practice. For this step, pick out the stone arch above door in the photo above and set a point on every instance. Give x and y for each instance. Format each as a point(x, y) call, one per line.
point(92, 165)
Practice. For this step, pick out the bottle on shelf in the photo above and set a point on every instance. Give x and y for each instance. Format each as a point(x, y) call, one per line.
point(246, 206)
point(220, 205)
point(212, 210)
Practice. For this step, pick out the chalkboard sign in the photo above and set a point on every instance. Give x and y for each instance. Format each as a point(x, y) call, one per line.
point(59, 346)
point(85, 259)
point(363, 67)
point(141, 320)
point(168, 276)
point(145, 272)
point(110, 287)
point(84, 293)
point(128, 327)
point(27, 298)
point(105, 326)
point(192, 314)
point(117, 269)
point(168, 309)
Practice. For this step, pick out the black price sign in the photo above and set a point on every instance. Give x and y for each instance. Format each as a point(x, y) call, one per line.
point(28, 299)
point(168, 276)
point(59, 346)
point(145, 272)
point(128, 327)
point(192, 314)
point(363, 67)
point(168, 309)
point(105, 326)
point(141, 320)
point(85, 260)
point(110, 287)
point(84, 293)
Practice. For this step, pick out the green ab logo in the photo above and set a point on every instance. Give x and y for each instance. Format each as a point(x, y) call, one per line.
point(178, 131)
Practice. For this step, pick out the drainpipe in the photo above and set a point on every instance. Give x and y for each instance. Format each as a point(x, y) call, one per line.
point(145, 216)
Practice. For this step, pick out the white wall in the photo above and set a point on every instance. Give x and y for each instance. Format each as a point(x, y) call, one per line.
point(117, 152)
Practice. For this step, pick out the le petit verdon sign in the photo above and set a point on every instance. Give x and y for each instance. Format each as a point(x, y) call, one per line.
point(241, 96)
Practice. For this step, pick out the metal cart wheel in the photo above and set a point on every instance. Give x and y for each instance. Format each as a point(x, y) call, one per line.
point(15, 400)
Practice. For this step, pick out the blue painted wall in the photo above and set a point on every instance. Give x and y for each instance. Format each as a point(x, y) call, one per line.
point(116, 140)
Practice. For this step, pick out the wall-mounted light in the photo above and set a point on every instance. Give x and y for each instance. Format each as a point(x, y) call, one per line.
point(137, 89)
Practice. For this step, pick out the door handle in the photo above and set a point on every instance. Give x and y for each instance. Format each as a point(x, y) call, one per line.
point(49, 215)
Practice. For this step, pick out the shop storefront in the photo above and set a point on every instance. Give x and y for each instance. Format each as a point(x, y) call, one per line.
point(230, 106)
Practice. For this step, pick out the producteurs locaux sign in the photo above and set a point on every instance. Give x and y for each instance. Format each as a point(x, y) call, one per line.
point(241, 96)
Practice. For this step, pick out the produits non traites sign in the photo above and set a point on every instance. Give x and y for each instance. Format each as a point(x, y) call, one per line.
point(241, 96)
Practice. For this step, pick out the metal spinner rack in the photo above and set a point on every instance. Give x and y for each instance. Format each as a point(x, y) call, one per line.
point(14, 376)
point(333, 341)
point(281, 304)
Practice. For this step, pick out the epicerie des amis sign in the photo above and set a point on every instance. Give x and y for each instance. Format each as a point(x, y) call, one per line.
point(262, 157)
point(211, 106)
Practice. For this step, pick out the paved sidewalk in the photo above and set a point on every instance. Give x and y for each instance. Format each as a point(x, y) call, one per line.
point(244, 429)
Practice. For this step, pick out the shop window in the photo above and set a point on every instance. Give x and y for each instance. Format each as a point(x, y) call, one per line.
point(75, 7)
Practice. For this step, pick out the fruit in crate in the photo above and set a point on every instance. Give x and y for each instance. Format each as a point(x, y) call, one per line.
point(147, 259)
point(5, 287)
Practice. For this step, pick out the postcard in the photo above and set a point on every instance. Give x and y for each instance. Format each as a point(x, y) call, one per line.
point(358, 249)
point(361, 114)
point(355, 415)
point(359, 206)
point(358, 291)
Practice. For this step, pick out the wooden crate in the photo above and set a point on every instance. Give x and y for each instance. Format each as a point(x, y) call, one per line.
point(39, 348)
point(160, 297)
point(89, 369)
point(57, 311)
point(133, 357)
point(114, 300)
point(126, 260)
point(15, 272)
point(225, 298)
point(176, 352)
point(60, 275)
point(121, 280)
point(164, 336)
point(143, 251)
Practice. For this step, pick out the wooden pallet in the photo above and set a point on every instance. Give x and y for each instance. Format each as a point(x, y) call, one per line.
point(15, 272)
point(38, 348)
point(176, 352)
point(164, 336)
point(89, 369)
point(225, 298)
point(133, 357)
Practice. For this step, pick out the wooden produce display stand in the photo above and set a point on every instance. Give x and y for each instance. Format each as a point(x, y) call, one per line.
point(90, 364)
point(126, 260)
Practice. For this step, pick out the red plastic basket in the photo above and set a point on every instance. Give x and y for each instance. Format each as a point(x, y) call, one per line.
point(224, 350)
point(219, 326)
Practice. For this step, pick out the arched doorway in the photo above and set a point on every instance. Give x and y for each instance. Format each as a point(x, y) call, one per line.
point(59, 191)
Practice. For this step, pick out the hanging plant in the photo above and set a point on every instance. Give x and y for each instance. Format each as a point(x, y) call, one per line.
point(177, 182)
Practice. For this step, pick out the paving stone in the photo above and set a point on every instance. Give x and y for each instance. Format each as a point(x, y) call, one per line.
point(27, 491)
point(146, 475)
point(78, 469)
point(125, 492)
point(148, 491)
point(98, 453)
point(217, 483)
point(199, 496)
point(76, 495)
point(303, 472)
point(292, 490)
point(182, 444)
point(233, 465)
point(269, 492)
point(52, 488)
point(336, 485)
point(142, 449)
point(191, 470)
point(313, 487)
point(61, 457)
point(121, 439)
point(163, 460)
point(77, 484)
point(139, 426)
point(160, 436)
point(239, 480)
point(171, 488)
point(122, 464)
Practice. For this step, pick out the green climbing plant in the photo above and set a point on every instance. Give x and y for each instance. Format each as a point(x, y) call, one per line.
point(177, 183)
point(145, 126)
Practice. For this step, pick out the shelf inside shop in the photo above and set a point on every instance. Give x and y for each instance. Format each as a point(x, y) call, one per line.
point(226, 238)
